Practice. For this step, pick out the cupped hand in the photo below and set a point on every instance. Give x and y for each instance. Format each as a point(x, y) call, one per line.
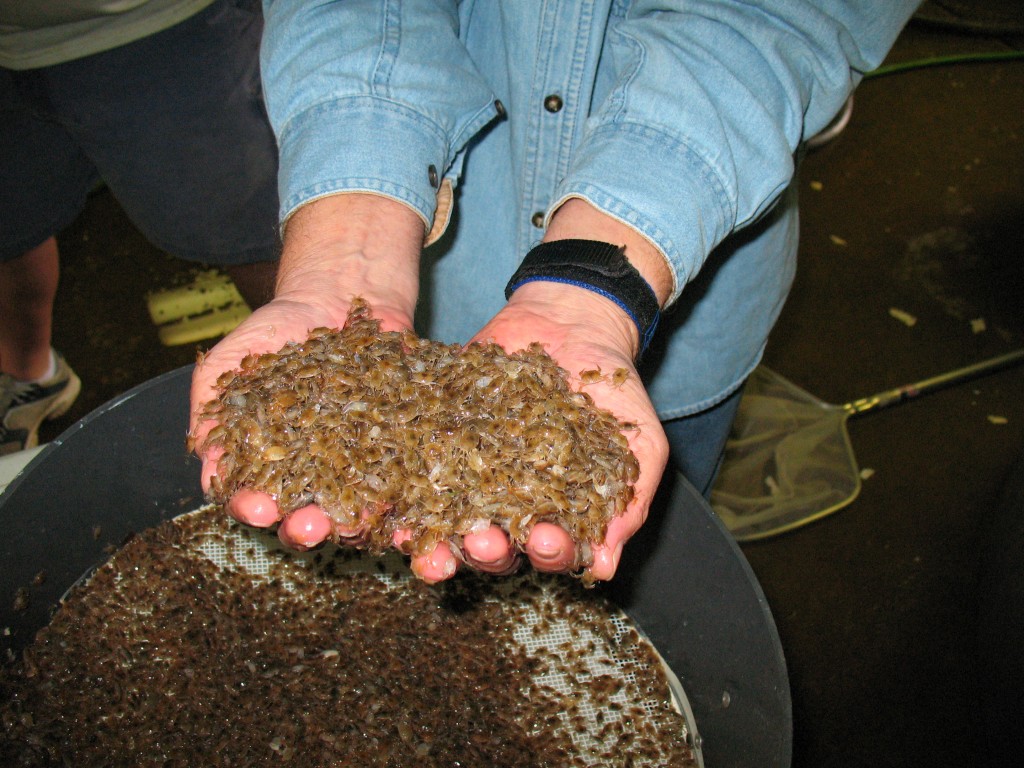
point(335, 248)
point(581, 331)
point(267, 330)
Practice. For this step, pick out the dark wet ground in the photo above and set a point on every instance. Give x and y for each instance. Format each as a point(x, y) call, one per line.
point(918, 206)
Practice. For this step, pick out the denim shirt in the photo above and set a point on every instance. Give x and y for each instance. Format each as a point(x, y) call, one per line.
point(680, 119)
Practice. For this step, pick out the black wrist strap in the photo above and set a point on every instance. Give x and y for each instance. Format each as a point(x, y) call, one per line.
point(596, 266)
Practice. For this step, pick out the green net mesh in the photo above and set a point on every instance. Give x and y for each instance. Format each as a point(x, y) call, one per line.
point(788, 460)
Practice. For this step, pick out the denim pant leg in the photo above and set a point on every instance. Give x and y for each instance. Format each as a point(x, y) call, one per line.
point(697, 442)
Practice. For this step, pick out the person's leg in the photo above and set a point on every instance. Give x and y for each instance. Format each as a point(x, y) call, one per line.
point(46, 181)
point(697, 442)
point(36, 384)
point(28, 286)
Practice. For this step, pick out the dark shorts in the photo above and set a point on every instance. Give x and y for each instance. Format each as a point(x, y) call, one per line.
point(174, 125)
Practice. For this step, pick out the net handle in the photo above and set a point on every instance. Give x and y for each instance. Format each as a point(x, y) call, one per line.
point(909, 391)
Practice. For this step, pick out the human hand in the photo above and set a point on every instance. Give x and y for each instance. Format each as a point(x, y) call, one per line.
point(335, 248)
point(582, 331)
point(549, 546)
point(267, 330)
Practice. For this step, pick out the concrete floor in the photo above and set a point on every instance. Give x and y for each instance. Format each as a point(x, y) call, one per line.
point(918, 206)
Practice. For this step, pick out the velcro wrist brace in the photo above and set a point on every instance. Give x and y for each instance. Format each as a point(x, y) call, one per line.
point(595, 266)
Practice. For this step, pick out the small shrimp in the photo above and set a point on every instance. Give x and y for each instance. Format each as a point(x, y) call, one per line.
point(616, 378)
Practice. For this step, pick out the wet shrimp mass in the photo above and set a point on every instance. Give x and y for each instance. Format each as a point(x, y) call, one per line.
point(386, 431)
point(180, 651)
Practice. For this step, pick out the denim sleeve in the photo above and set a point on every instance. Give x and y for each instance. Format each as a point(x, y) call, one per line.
point(695, 137)
point(369, 95)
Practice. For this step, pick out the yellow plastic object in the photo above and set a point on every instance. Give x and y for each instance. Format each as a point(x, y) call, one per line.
point(207, 307)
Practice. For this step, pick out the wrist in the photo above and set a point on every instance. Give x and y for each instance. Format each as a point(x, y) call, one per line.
point(583, 316)
point(600, 268)
point(576, 218)
point(353, 244)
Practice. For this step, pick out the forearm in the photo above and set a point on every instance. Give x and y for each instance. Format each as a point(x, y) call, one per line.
point(351, 244)
point(710, 100)
point(578, 219)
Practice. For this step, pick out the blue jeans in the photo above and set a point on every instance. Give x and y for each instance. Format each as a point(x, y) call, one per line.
point(697, 442)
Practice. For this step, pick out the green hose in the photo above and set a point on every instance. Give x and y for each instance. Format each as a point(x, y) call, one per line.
point(939, 61)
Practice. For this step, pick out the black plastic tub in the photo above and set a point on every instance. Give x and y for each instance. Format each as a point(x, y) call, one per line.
point(683, 580)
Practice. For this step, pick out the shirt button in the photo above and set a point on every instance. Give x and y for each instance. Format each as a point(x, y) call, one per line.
point(499, 108)
point(432, 175)
point(537, 219)
point(553, 103)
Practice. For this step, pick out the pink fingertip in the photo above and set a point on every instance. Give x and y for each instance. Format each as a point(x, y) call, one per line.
point(550, 548)
point(437, 566)
point(606, 561)
point(305, 528)
point(487, 547)
point(548, 542)
point(254, 508)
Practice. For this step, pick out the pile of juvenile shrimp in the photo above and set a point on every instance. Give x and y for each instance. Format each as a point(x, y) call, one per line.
point(386, 431)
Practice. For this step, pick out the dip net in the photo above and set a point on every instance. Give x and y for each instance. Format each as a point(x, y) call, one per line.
point(789, 459)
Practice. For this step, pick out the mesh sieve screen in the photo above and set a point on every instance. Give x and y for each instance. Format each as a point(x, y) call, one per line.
point(580, 640)
point(554, 668)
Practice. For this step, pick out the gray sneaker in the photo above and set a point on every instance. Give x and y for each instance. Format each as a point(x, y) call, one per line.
point(23, 407)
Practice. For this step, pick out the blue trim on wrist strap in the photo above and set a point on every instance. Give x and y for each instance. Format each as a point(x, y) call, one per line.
point(646, 333)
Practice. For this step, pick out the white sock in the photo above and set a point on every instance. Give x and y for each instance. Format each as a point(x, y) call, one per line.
point(50, 371)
